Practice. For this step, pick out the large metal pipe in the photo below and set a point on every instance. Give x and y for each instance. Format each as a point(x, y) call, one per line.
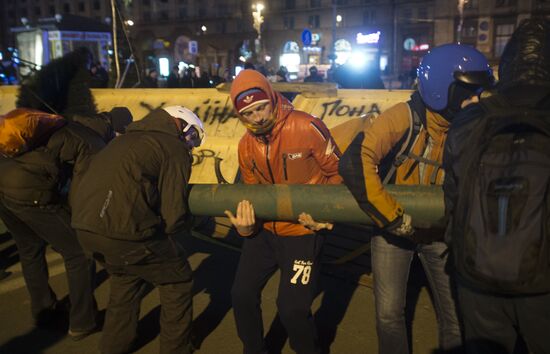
point(332, 203)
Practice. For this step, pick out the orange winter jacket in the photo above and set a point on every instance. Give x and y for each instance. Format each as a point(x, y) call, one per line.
point(298, 150)
point(381, 137)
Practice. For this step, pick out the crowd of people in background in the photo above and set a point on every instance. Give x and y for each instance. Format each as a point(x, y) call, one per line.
point(345, 76)
point(194, 76)
point(189, 77)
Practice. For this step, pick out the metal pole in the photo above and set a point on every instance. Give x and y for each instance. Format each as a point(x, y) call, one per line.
point(324, 202)
point(394, 38)
point(333, 33)
point(129, 62)
point(115, 42)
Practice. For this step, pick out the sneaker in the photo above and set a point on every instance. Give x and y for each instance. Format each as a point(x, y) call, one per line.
point(80, 335)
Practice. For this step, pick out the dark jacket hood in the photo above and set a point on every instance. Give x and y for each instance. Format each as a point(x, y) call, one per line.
point(157, 121)
point(526, 58)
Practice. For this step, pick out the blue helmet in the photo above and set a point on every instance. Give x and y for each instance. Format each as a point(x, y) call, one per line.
point(448, 64)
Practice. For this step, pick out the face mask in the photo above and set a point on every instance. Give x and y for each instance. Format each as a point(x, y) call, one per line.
point(265, 127)
point(458, 93)
point(192, 138)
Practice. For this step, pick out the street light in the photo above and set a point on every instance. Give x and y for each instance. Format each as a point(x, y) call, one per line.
point(258, 20)
point(203, 28)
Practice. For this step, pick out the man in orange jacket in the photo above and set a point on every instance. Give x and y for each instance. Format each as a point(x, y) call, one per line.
point(281, 146)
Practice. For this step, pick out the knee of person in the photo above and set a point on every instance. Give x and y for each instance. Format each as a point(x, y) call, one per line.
point(388, 314)
point(77, 261)
point(292, 310)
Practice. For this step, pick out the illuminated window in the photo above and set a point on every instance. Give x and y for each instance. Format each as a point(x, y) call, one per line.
point(164, 66)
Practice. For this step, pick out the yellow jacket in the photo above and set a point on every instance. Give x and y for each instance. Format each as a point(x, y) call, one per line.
point(382, 138)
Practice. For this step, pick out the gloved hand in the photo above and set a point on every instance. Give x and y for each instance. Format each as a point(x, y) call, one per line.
point(307, 221)
point(245, 221)
point(405, 229)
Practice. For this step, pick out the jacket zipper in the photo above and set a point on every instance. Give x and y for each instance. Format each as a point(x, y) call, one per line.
point(267, 161)
point(284, 167)
point(255, 168)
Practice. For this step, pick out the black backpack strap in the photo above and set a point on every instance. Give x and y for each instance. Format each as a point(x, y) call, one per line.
point(415, 125)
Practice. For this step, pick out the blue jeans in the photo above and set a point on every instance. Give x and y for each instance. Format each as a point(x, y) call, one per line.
point(391, 263)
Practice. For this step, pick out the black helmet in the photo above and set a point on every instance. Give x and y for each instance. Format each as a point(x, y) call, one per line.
point(526, 57)
point(313, 70)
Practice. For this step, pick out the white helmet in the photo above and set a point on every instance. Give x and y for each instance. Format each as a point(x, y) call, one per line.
point(189, 118)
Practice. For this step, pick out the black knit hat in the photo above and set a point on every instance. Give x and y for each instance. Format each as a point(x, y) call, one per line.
point(120, 118)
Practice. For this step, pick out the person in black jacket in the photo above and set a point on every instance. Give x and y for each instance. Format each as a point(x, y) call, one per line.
point(130, 215)
point(34, 189)
point(313, 75)
point(494, 314)
point(174, 78)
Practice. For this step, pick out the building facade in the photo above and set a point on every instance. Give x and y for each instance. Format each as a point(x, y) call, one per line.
point(392, 35)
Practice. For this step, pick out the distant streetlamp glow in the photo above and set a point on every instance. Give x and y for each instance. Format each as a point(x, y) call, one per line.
point(129, 22)
point(259, 6)
point(338, 18)
point(258, 20)
point(267, 58)
point(203, 28)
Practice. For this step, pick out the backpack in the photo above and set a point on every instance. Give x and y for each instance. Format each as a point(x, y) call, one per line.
point(500, 241)
point(24, 129)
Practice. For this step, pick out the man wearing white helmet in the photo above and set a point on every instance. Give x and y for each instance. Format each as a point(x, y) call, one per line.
point(129, 213)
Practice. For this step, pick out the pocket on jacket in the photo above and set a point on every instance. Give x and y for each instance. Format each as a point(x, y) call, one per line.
point(145, 213)
point(298, 166)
